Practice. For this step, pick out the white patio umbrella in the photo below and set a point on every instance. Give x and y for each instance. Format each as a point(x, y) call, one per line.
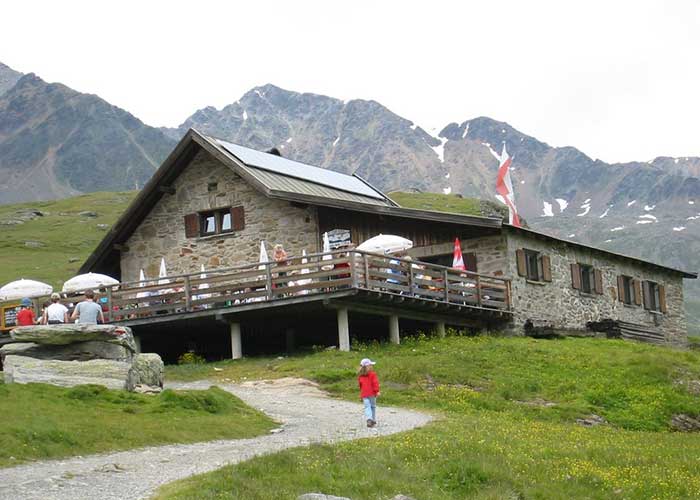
point(142, 279)
point(263, 255)
point(203, 286)
point(24, 288)
point(385, 243)
point(162, 273)
point(304, 270)
point(88, 281)
point(262, 259)
point(326, 250)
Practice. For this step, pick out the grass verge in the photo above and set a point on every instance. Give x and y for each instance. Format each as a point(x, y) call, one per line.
point(42, 421)
point(509, 430)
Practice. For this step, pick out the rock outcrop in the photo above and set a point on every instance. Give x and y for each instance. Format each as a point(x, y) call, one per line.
point(75, 354)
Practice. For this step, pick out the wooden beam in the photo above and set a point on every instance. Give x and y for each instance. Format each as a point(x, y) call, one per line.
point(166, 189)
point(121, 247)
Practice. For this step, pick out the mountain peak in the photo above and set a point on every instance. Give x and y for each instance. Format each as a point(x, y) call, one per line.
point(8, 78)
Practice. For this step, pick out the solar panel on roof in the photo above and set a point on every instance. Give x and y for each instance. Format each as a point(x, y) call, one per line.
point(299, 170)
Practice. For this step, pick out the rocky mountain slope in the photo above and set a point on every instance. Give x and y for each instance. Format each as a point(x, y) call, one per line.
point(8, 78)
point(56, 142)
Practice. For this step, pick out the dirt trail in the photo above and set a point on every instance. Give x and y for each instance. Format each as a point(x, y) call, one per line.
point(306, 414)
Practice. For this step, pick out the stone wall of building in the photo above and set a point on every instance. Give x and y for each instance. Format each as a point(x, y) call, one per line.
point(162, 232)
point(567, 308)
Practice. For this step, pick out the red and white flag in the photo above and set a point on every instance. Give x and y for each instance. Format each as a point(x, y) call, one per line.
point(504, 187)
point(457, 260)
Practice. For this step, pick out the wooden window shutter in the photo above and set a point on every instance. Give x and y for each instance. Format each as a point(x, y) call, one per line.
point(470, 262)
point(621, 289)
point(238, 217)
point(191, 225)
point(637, 292)
point(598, 281)
point(576, 276)
point(546, 268)
point(662, 299)
point(646, 294)
point(520, 258)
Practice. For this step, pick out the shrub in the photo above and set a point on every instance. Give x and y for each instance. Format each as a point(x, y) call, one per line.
point(190, 358)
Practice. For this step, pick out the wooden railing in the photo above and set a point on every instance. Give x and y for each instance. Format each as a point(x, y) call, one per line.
point(316, 273)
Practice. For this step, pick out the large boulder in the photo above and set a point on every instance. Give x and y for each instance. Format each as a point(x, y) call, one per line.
point(147, 372)
point(74, 332)
point(80, 351)
point(109, 373)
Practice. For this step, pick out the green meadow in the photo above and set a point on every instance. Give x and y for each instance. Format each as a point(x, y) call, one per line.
point(506, 423)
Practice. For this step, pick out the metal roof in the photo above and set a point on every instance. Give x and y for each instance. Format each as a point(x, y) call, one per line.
point(283, 183)
point(294, 169)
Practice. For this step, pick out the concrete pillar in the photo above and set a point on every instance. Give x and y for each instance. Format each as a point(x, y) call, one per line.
point(137, 341)
point(236, 346)
point(440, 328)
point(394, 337)
point(289, 339)
point(343, 330)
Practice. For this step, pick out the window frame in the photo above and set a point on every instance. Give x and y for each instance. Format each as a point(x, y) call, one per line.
point(587, 277)
point(654, 304)
point(219, 215)
point(533, 257)
point(627, 290)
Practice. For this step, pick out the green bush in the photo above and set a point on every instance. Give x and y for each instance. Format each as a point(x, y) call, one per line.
point(191, 358)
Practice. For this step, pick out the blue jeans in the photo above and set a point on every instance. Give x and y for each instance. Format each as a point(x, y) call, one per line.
point(370, 408)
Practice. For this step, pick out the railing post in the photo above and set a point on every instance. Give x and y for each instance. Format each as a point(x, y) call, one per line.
point(109, 304)
point(508, 296)
point(366, 262)
point(478, 290)
point(268, 273)
point(410, 278)
point(447, 286)
point(188, 294)
point(353, 271)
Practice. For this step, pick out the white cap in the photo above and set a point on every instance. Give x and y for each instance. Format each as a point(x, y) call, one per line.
point(367, 362)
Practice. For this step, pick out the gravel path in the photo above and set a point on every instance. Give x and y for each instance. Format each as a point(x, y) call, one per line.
point(305, 413)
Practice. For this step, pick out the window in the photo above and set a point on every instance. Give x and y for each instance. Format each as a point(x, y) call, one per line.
point(216, 222)
point(211, 222)
point(586, 278)
point(625, 290)
point(654, 296)
point(533, 265)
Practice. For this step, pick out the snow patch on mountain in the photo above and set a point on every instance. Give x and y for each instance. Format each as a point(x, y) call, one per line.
point(618, 228)
point(586, 208)
point(562, 203)
point(691, 202)
point(447, 190)
point(414, 126)
point(547, 210)
point(645, 221)
point(440, 150)
point(288, 140)
point(648, 216)
point(245, 115)
point(466, 130)
point(648, 208)
point(604, 213)
point(631, 203)
point(679, 228)
point(495, 155)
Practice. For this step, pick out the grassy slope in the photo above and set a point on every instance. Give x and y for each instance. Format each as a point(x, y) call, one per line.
point(65, 236)
point(42, 421)
point(489, 443)
point(438, 202)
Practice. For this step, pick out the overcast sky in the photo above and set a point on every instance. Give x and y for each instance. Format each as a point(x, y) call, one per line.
point(618, 80)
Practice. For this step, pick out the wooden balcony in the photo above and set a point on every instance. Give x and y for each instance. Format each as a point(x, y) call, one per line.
point(375, 280)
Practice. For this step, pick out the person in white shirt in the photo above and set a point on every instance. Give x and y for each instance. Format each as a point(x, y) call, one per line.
point(56, 313)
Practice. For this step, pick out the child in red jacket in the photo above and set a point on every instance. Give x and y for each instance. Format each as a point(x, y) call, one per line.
point(369, 390)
